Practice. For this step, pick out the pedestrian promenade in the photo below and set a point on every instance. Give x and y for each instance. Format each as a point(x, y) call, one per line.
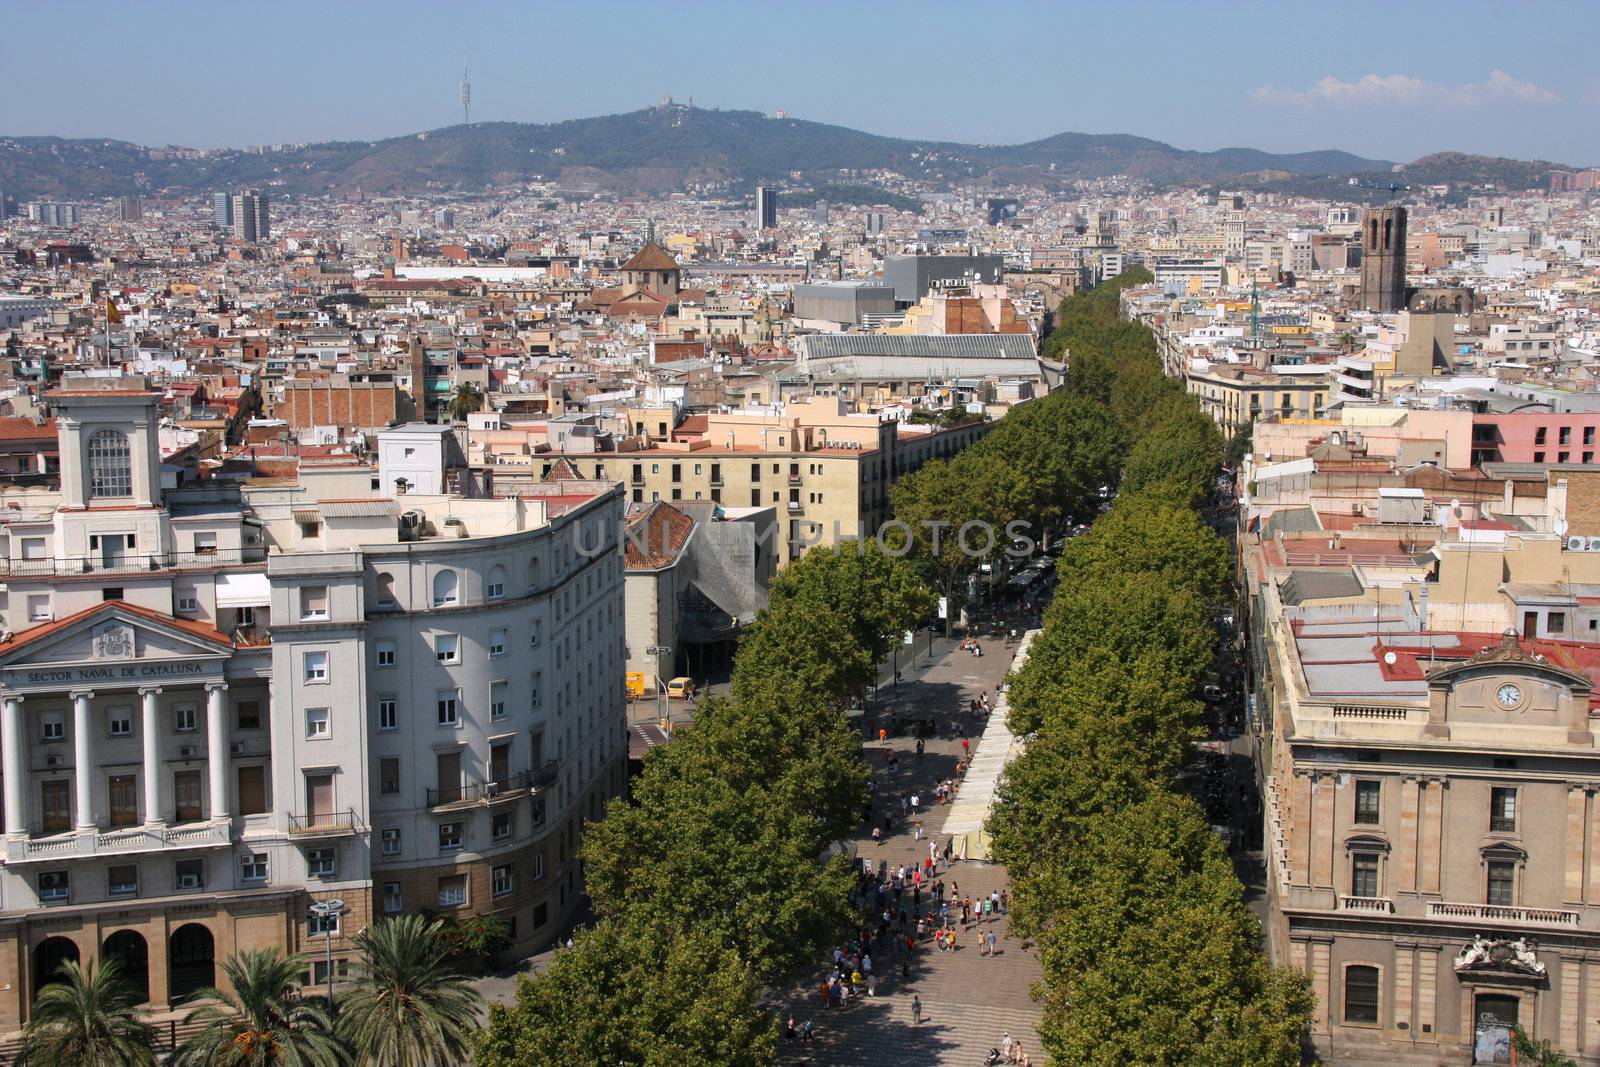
point(968, 1000)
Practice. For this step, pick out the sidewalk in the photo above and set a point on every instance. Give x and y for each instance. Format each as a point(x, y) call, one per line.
point(968, 1000)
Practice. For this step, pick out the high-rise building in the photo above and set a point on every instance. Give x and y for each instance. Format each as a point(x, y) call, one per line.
point(218, 710)
point(874, 223)
point(130, 209)
point(1383, 259)
point(52, 213)
point(222, 211)
point(766, 208)
point(819, 214)
point(251, 216)
point(444, 218)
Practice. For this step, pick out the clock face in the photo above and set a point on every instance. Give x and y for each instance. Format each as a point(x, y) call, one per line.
point(1509, 695)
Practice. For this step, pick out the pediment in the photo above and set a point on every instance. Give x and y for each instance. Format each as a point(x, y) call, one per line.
point(112, 636)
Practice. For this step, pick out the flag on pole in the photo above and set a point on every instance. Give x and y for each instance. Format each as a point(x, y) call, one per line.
point(112, 314)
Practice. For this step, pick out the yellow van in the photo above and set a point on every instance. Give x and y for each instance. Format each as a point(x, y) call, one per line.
point(637, 686)
point(680, 688)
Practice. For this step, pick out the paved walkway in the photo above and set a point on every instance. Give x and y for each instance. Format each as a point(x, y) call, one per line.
point(968, 1000)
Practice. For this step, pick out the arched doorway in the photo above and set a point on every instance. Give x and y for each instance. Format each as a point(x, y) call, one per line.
point(50, 954)
point(132, 954)
point(191, 961)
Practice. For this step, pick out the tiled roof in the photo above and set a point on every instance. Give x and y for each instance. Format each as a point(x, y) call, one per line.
point(651, 257)
point(197, 629)
point(661, 531)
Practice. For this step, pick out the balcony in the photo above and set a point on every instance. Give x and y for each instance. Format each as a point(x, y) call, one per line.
point(1382, 905)
point(117, 842)
point(130, 563)
point(491, 792)
point(324, 824)
point(1501, 915)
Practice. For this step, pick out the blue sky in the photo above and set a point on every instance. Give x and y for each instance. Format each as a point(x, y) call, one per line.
point(1395, 80)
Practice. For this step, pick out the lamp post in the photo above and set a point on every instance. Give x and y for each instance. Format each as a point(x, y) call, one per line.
point(655, 652)
point(322, 909)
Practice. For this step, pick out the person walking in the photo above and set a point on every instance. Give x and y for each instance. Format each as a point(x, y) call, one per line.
point(916, 1009)
point(1005, 1046)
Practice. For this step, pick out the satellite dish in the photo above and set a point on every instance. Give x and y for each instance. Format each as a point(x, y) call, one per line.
point(1390, 658)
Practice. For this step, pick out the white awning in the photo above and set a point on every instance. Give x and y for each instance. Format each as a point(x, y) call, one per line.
point(243, 591)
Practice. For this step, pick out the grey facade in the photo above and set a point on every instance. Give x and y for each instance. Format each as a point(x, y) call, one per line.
point(912, 277)
point(842, 302)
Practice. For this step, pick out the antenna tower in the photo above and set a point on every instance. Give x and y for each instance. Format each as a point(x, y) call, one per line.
point(466, 93)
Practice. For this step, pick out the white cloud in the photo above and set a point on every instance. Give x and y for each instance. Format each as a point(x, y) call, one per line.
point(1408, 91)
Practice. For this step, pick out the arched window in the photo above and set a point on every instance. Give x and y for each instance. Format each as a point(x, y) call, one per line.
point(533, 574)
point(110, 464)
point(444, 588)
point(385, 590)
point(1388, 234)
point(1361, 994)
point(1372, 240)
point(496, 587)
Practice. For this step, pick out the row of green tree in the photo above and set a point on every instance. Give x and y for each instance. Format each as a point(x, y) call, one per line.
point(723, 874)
point(1149, 953)
point(406, 1006)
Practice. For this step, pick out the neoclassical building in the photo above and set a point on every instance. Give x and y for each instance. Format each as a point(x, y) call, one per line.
point(224, 701)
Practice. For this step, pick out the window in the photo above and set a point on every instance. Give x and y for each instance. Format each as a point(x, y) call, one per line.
point(453, 891)
point(39, 607)
point(393, 903)
point(187, 604)
point(183, 718)
point(249, 712)
point(123, 793)
point(316, 664)
point(538, 866)
point(1367, 794)
point(449, 837)
point(497, 643)
point(53, 728)
point(391, 842)
point(252, 781)
point(186, 795)
point(447, 648)
point(190, 874)
point(32, 547)
point(253, 867)
point(1361, 995)
point(533, 634)
point(500, 825)
point(388, 713)
point(317, 724)
point(54, 887)
point(389, 776)
point(1502, 890)
point(122, 880)
point(449, 713)
point(119, 722)
point(205, 543)
point(495, 588)
point(497, 700)
point(1364, 874)
point(319, 924)
point(1564, 435)
point(313, 602)
point(385, 590)
point(444, 589)
point(110, 464)
point(1556, 622)
point(1503, 810)
point(541, 915)
point(385, 651)
point(320, 862)
point(502, 880)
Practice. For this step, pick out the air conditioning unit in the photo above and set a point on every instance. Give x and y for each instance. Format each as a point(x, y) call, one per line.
point(52, 761)
point(187, 751)
point(236, 748)
point(1594, 544)
point(491, 789)
point(1578, 544)
point(188, 881)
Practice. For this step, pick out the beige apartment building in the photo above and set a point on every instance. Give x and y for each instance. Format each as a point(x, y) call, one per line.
point(1425, 733)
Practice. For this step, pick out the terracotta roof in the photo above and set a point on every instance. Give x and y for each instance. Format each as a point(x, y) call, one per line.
point(660, 531)
point(651, 257)
point(197, 629)
point(562, 470)
point(21, 429)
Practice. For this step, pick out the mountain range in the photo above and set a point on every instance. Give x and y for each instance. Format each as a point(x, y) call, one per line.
point(665, 148)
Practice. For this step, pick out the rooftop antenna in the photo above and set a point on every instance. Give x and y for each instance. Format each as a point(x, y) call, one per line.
point(466, 92)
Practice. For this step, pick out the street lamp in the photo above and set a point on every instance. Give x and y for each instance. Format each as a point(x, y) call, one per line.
point(322, 909)
point(655, 652)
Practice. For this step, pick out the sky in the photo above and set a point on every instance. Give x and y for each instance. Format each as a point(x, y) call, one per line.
point(1393, 80)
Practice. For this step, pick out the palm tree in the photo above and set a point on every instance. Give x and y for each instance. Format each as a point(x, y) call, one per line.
point(467, 399)
point(87, 1019)
point(408, 1006)
point(264, 1022)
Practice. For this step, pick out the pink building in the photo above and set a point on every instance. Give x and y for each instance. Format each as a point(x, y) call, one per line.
point(1536, 437)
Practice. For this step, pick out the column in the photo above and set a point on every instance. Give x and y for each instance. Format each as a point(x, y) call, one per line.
point(1569, 1007)
point(1432, 836)
point(1322, 840)
point(150, 733)
point(1577, 802)
point(1300, 829)
point(83, 758)
point(1322, 982)
point(1408, 834)
point(217, 746)
point(1427, 991)
point(1404, 964)
point(11, 748)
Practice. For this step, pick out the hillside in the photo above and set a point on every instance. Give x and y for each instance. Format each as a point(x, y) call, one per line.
point(655, 149)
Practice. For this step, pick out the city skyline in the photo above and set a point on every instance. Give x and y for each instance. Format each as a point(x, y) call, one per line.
point(1210, 80)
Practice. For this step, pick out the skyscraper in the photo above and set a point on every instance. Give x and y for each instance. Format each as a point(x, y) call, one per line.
point(250, 217)
point(766, 208)
point(222, 211)
point(1383, 259)
point(874, 223)
point(130, 209)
